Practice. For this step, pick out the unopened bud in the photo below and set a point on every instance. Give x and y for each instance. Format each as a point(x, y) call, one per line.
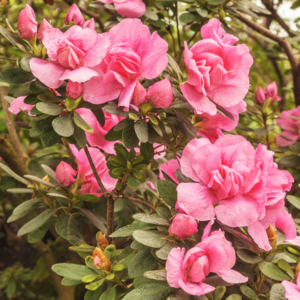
point(271, 232)
point(102, 240)
point(100, 260)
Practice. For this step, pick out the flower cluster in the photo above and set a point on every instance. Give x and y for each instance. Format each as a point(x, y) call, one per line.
point(269, 93)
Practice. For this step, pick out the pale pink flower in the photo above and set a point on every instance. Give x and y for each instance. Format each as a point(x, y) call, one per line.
point(214, 254)
point(292, 291)
point(65, 174)
point(45, 26)
point(74, 15)
point(74, 89)
point(269, 93)
point(27, 24)
point(169, 168)
point(97, 138)
point(290, 127)
point(183, 226)
point(18, 105)
point(217, 70)
point(134, 54)
point(128, 8)
point(73, 54)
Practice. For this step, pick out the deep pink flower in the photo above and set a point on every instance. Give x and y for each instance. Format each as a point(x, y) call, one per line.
point(45, 26)
point(169, 168)
point(211, 125)
point(27, 24)
point(134, 54)
point(73, 54)
point(183, 226)
point(74, 15)
point(292, 291)
point(128, 8)
point(65, 174)
point(213, 254)
point(290, 127)
point(269, 93)
point(160, 94)
point(74, 89)
point(97, 138)
point(18, 104)
point(260, 96)
point(217, 70)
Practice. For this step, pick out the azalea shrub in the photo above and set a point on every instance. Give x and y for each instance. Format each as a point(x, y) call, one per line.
point(142, 164)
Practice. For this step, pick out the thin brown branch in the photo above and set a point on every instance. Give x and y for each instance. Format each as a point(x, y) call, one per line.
point(191, 39)
point(139, 201)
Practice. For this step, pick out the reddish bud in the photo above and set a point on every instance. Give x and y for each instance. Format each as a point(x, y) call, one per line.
point(27, 24)
point(74, 90)
point(74, 15)
point(102, 240)
point(45, 26)
point(100, 260)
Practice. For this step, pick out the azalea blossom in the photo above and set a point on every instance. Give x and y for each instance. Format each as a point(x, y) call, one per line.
point(27, 24)
point(292, 291)
point(169, 168)
point(18, 105)
point(269, 93)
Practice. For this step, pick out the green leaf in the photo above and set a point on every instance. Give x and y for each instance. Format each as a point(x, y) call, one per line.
point(173, 64)
point(151, 219)
point(248, 256)
point(96, 221)
point(9, 36)
point(141, 130)
point(110, 294)
point(13, 174)
point(20, 191)
point(49, 98)
point(72, 271)
point(38, 234)
point(234, 297)
point(151, 238)
point(82, 124)
point(70, 282)
point(284, 265)
point(249, 293)
point(95, 285)
point(50, 138)
point(129, 229)
point(129, 137)
point(202, 12)
point(88, 198)
point(49, 108)
point(98, 113)
point(273, 272)
point(132, 181)
point(63, 125)
point(147, 151)
point(39, 180)
point(37, 222)
point(294, 201)
point(26, 206)
point(160, 275)
point(152, 291)
point(113, 135)
point(123, 124)
point(93, 295)
point(187, 17)
point(163, 252)
point(80, 136)
point(150, 14)
point(15, 76)
point(34, 168)
point(167, 191)
point(67, 226)
point(219, 292)
point(39, 127)
point(277, 292)
point(164, 212)
point(142, 262)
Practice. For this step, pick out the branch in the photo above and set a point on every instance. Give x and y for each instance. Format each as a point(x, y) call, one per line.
point(139, 201)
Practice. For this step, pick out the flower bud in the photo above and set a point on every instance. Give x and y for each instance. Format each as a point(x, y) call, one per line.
point(27, 24)
point(183, 226)
point(65, 174)
point(160, 94)
point(260, 96)
point(89, 24)
point(45, 26)
point(102, 240)
point(100, 260)
point(74, 89)
point(271, 232)
point(74, 15)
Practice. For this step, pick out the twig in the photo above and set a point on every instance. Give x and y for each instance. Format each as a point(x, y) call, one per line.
point(191, 39)
point(139, 201)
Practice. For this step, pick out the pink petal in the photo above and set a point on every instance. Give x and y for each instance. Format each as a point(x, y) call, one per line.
point(173, 266)
point(196, 289)
point(139, 95)
point(207, 230)
point(127, 94)
point(259, 234)
point(65, 174)
point(232, 276)
point(292, 291)
point(131, 8)
point(18, 104)
point(80, 75)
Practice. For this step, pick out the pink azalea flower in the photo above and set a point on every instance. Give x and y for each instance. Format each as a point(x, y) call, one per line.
point(160, 94)
point(65, 174)
point(213, 254)
point(18, 105)
point(73, 54)
point(27, 24)
point(269, 93)
point(217, 70)
point(290, 127)
point(45, 26)
point(134, 53)
point(74, 15)
point(90, 24)
point(183, 226)
point(260, 96)
point(211, 125)
point(97, 138)
point(128, 8)
point(292, 291)
point(169, 168)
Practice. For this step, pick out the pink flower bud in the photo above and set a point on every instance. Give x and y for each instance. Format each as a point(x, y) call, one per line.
point(139, 95)
point(74, 15)
point(65, 174)
point(160, 94)
point(45, 26)
point(74, 90)
point(27, 24)
point(271, 92)
point(69, 56)
point(183, 226)
point(89, 24)
point(260, 96)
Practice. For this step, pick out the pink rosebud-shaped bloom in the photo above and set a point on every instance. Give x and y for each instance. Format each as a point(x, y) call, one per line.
point(213, 254)
point(271, 92)
point(18, 105)
point(74, 15)
point(97, 138)
point(169, 168)
point(45, 26)
point(183, 226)
point(90, 24)
point(217, 70)
point(160, 94)
point(290, 127)
point(260, 96)
point(73, 55)
point(74, 90)
point(134, 53)
point(128, 8)
point(65, 174)
point(139, 95)
point(292, 291)
point(27, 24)
point(211, 125)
